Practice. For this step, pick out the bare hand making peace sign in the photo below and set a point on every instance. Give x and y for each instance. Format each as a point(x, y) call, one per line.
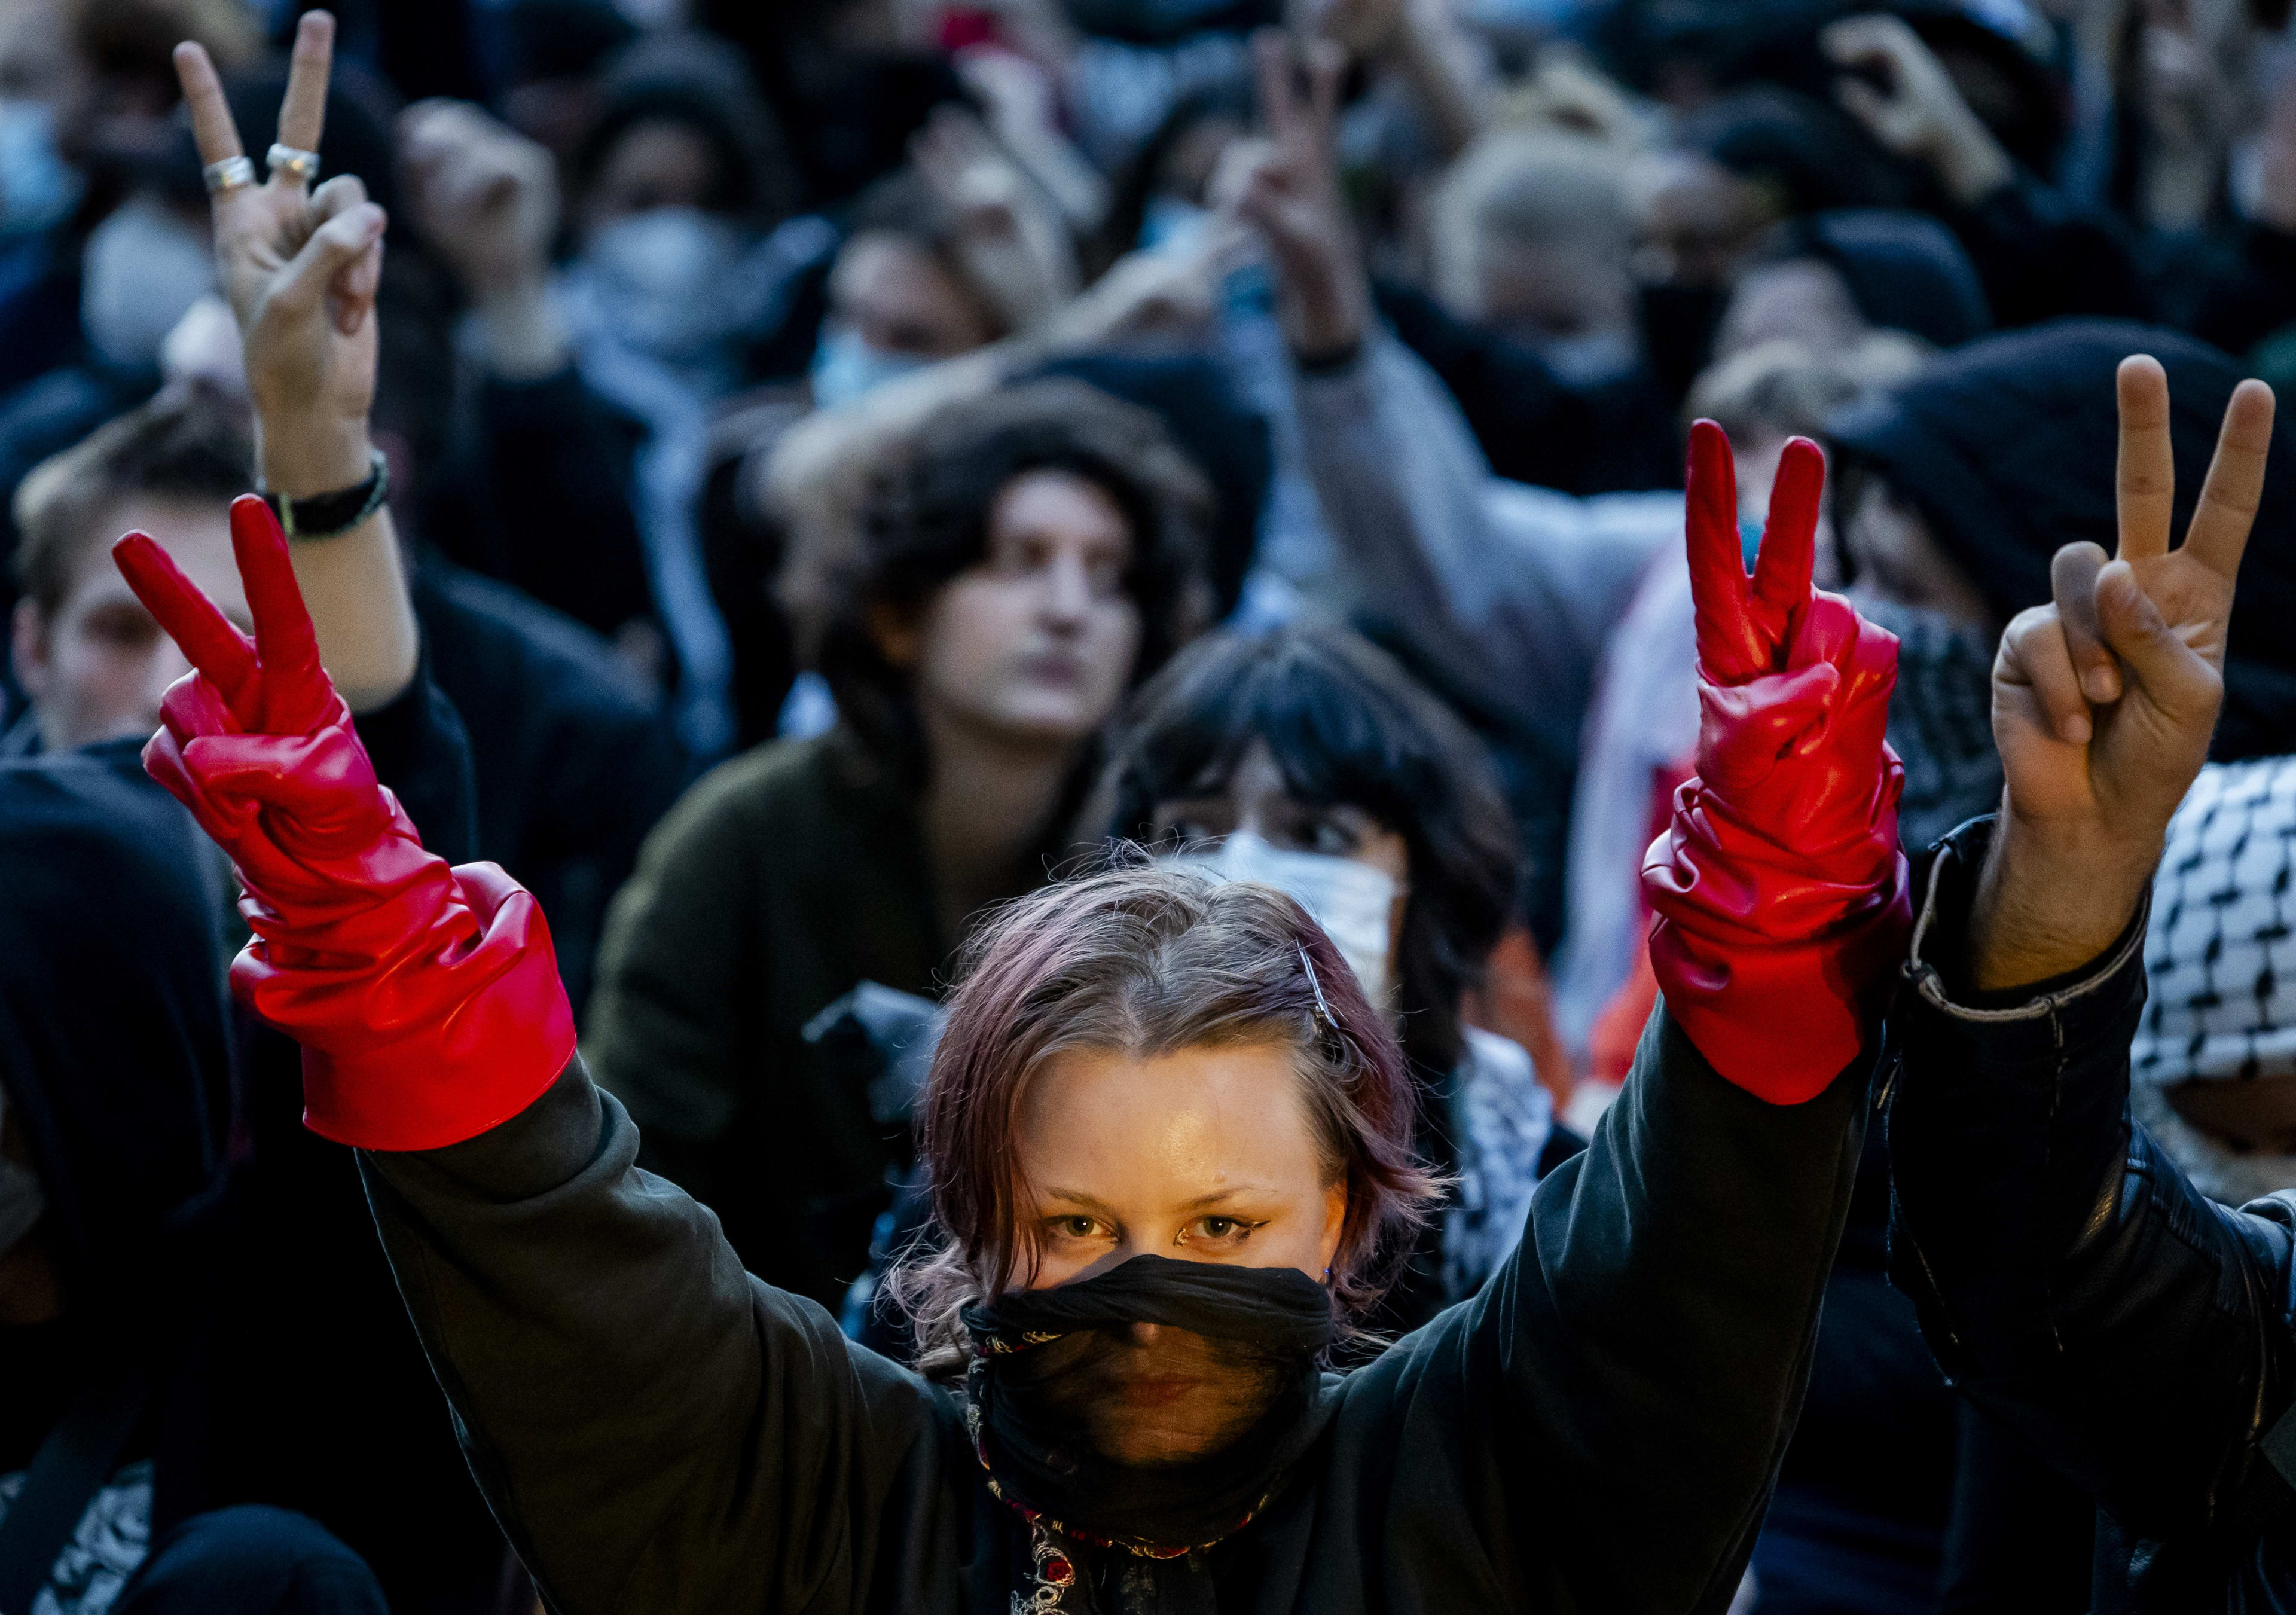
point(300, 267)
point(2104, 700)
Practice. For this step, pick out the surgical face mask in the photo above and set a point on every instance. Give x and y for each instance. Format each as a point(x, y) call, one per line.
point(37, 188)
point(1351, 901)
point(22, 1200)
point(845, 366)
point(142, 270)
point(665, 281)
point(1169, 222)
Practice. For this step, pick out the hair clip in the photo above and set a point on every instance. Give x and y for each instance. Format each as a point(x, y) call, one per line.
point(1323, 1009)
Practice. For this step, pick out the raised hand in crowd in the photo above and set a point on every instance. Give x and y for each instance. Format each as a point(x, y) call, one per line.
point(1013, 239)
point(1020, 105)
point(485, 200)
point(1916, 110)
point(1780, 889)
point(2105, 698)
point(1423, 42)
point(1286, 184)
point(301, 267)
point(427, 999)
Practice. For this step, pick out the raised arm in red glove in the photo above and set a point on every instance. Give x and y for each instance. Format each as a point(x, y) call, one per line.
point(1780, 889)
point(426, 998)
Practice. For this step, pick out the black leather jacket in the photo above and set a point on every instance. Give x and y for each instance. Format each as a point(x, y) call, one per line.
point(2074, 1285)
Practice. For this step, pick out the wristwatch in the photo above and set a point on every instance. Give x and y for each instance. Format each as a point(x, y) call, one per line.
point(325, 515)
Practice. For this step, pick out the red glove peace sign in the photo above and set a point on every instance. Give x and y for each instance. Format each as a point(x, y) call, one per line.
point(426, 998)
point(1743, 623)
point(1780, 889)
point(255, 713)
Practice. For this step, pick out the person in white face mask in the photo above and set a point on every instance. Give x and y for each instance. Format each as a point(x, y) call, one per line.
point(142, 270)
point(1305, 759)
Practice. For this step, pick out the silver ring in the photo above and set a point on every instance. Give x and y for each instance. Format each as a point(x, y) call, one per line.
point(229, 175)
point(291, 160)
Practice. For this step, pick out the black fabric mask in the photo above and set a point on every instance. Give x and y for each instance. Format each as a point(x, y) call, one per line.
point(1153, 1408)
point(1679, 320)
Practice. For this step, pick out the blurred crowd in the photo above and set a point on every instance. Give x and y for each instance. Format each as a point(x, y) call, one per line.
point(851, 458)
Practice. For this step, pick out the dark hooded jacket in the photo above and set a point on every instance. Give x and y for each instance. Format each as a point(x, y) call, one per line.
point(115, 1048)
point(2007, 448)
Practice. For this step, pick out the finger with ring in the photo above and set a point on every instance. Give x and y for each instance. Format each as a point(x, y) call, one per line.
point(283, 159)
point(232, 174)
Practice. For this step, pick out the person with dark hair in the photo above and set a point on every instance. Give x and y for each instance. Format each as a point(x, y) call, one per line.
point(1035, 555)
point(902, 293)
point(1959, 488)
point(1824, 280)
point(685, 263)
point(679, 123)
point(1306, 758)
point(115, 1093)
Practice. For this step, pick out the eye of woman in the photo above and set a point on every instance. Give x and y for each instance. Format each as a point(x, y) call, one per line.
point(1219, 1233)
point(1074, 1225)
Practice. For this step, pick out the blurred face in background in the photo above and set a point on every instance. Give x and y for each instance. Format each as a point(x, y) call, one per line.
point(899, 298)
point(40, 78)
point(1033, 646)
point(96, 668)
point(1898, 558)
point(656, 162)
point(1698, 219)
point(1801, 300)
point(894, 307)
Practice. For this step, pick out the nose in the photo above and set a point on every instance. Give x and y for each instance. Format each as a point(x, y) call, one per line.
point(1067, 591)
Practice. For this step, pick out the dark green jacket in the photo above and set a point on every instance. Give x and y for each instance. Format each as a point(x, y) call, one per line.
point(1597, 1430)
point(780, 881)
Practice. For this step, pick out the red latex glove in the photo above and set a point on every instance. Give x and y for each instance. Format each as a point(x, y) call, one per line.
point(426, 998)
point(1780, 889)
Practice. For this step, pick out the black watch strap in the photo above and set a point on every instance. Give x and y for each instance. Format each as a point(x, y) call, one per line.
point(324, 515)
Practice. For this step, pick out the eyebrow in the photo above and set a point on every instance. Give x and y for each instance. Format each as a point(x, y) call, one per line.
point(1075, 1197)
point(1078, 1197)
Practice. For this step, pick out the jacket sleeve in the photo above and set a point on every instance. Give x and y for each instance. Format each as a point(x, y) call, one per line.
point(1506, 592)
point(1644, 1352)
point(2071, 1282)
point(678, 973)
point(655, 1429)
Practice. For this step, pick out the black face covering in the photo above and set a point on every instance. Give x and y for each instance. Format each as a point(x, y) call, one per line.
point(1154, 1408)
point(1940, 720)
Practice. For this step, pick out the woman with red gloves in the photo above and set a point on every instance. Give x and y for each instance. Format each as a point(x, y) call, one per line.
point(1170, 1141)
point(1170, 1144)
